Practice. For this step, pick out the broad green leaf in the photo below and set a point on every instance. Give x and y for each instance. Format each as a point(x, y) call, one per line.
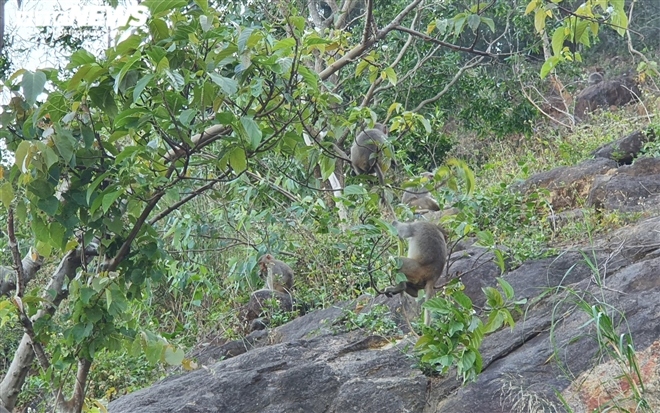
point(159, 6)
point(32, 85)
point(103, 97)
point(139, 87)
point(286, 43)
point(253, 132)
point(489, 22)
point(462, 299)
point(79, 58)
point(49, 205)
point(92, 187)
point(539, 20)
point(558, 38)
point(311, 78)
point(173, 356)
point(23, 156)
point(125, 68)
point(228, 86)
point(110, 198)
point(391, 75)
point(40, 229)
point(506, 287)
point(203, 4)
point(354, 190)
point(473, 22)
point(176, 80)
point(57, 235)
point(6, 194)
point(548, 66)
point(64, 142)
point(237, 160)
point(243, 39)
point(129, 45)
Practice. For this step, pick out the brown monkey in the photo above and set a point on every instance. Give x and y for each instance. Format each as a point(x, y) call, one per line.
point(425, 264)
point(421, 197)
point(278, 275)
point(370, 153)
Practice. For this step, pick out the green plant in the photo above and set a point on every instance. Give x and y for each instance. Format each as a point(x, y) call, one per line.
point(375, 320)
point(456, 331)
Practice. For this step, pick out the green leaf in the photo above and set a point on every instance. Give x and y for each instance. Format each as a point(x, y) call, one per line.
point(57, 235)
point(40, 229)
point(228, 86)
point(86, 294)
point(139, 87)
point(173, 356)
point(558, 38)
point(253, 132)
point(21, 158)
point(539, 20)
point(64, 142)
point(489, 22)
point(391, 76)
point(103, 97)
point(506, 287)
point(203, 4)
point(549, 65)
point(125, 68)
point(327, 165)
point(176, 80)
point(354, 190)
point(79, 58)
point(92, 187)
point(462, 299)
point(49, 205)
point(32, 85)
point(286, 43)
point(237, 160)
point(243, 39)
point(159, 6)
point(6, 194)
point(110, 198)
point(473, 22)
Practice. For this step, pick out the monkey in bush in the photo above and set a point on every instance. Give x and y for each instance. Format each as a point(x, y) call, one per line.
point(278, 275)
point(370, 153)
point(421, 197)
point(425, 264)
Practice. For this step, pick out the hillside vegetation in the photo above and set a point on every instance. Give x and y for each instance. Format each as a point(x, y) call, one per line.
point(140, 187)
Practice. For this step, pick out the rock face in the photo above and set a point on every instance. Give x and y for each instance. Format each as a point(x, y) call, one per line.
point(624, 150)
point(615, 92)
point(569, 184)
point(309, 365)
point(630, 188)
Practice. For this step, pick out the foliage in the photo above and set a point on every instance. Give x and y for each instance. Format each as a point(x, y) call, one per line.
point(456, 331)
point(376, 320)
point(151, 177)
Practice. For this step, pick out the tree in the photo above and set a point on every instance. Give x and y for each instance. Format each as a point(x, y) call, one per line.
point(195, 100)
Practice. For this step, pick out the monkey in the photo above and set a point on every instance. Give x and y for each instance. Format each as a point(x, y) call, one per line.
point(595, 78)
point(421, 197)
point(370, 154)
point(425, 264)
point(278, 275)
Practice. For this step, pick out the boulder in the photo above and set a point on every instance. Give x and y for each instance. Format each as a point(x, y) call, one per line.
point(625, 149)
point(629, 188)
point(568, 185)
point(614, 92)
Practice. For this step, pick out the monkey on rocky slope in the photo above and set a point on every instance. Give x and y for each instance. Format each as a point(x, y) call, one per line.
point(421, 197)
point(425, 264)
point(277, 274)
point(370, 154)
